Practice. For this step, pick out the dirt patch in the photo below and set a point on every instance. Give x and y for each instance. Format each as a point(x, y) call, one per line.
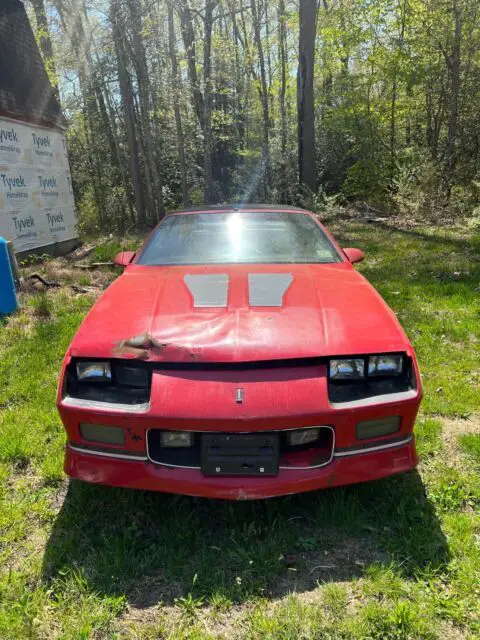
point(341, 563)
point(452, 428)
point(62, 273)
point(448, 631)
point(61, 280)
point(222, 625)
point(150, 591)
point(225, 623)
point(60, 494)
point(152, 600)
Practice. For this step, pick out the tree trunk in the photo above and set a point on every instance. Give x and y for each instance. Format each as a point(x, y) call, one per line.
point(73, 25)
point(45, 43)
point(207, 114)
point(393, 104)
point(188, 36)
point(305, 101)
point(129, 114)
point(282, 36)
point(123, 174)
point(176, 104)
point(268, 47)
point(454, 64)
point(263, 98)
point(153, 178)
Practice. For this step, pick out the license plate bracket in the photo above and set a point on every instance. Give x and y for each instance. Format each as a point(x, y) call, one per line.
point(239, 454)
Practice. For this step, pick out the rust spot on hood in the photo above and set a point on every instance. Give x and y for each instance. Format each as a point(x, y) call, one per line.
point(139, 346)
point(144, 345)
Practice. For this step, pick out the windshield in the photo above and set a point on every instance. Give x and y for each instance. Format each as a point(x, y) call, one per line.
point(239, 237)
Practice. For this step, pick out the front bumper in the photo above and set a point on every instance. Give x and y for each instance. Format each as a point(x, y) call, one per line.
point(143, 474)
point(278, 399)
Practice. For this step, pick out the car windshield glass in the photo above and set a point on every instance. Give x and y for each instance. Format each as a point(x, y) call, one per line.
point(238, 237)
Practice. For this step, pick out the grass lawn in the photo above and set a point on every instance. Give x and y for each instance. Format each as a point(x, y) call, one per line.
point(390, 560)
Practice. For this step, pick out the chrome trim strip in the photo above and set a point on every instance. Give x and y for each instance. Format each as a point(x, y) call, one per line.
point(80, 403)
point(121, 456)
point(386, 398)
point(391, 445)
point(342, 454)
point(290, 468)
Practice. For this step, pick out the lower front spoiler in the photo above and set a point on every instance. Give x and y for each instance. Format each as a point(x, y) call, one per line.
point(153, 477)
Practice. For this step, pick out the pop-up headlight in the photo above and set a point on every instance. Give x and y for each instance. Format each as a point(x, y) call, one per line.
point(94, 371)
point(385, 365)
point(347, 369)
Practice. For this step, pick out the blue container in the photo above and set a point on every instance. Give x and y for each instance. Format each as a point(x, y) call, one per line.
point(8, 296)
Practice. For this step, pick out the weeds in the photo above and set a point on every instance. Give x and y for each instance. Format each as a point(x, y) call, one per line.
point(393, 560)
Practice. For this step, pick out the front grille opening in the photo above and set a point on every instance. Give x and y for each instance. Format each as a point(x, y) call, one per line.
point(174, 456)
point(313, 454)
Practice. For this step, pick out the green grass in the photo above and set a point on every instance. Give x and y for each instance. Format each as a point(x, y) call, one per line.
point(393, 560)
point(106, 251)
point(470, 443)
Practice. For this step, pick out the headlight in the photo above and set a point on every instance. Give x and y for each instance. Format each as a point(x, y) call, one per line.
point(385, 365)
point(94, 371)
point(347, 369)
point(131, 377)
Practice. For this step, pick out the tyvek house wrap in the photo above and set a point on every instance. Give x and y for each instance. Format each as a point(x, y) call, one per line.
point(37, 206)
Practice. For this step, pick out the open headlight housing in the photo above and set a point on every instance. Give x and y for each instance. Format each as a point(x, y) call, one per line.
point(359, 368)
point(112, 381)
point(356, 378)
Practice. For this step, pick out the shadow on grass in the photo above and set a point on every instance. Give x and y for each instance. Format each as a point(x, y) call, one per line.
point(155, 547)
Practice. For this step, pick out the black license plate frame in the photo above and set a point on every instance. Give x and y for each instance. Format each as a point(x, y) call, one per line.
point(240, 454)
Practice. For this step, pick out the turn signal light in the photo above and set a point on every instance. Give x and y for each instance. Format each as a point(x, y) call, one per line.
point(378, 428)
point(102, 433)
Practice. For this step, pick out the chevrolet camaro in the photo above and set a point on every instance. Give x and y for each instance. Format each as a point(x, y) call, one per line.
point(239, 355)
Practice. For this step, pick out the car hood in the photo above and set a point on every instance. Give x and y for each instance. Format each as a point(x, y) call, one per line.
point(323, 310)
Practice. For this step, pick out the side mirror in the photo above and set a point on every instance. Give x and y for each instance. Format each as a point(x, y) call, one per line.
point(354, 255)
point(124, 258)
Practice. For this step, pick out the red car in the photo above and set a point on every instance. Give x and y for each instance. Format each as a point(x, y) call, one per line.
point(239, 355)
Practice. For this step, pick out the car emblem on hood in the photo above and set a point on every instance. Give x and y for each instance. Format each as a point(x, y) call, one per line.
point(239, 396)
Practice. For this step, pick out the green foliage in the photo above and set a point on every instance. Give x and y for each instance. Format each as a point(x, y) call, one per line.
point(470, 443)
point(391, 128)
point(364, 179)
point(428, 436)
point(41, 305)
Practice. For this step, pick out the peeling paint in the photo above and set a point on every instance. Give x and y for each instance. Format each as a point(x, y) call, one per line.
point(139, 346)
point(142, 347)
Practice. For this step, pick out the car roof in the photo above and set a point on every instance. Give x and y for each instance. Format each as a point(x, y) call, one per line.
point(241, 206)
